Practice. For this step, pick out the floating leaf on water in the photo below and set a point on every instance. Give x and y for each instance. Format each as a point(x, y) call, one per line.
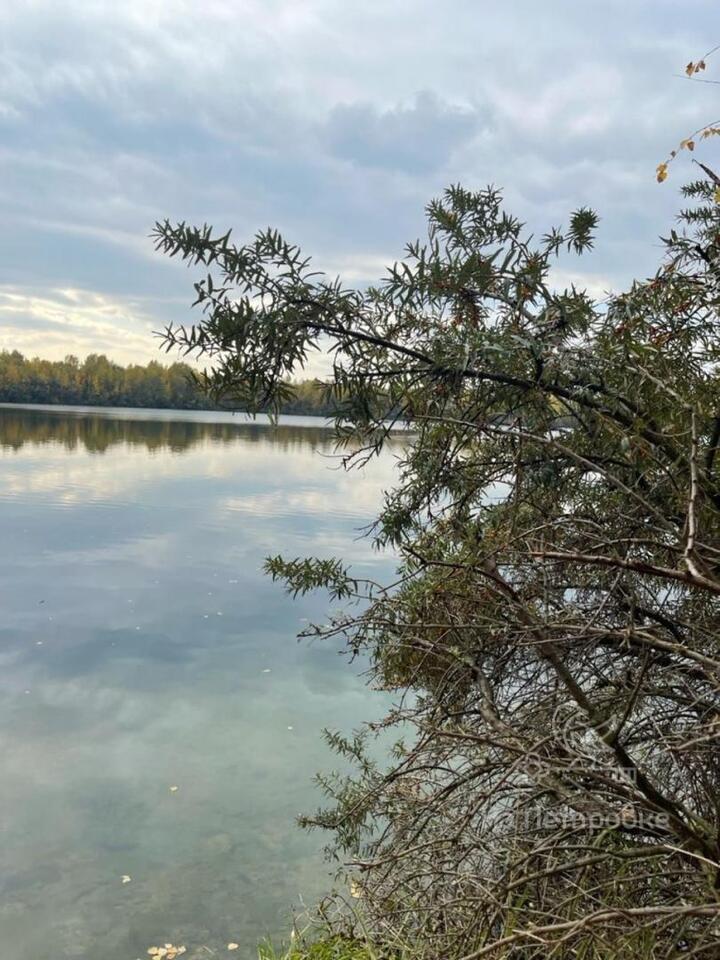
point(174, 788)
point(233, 946)
point(125, 878)
point(169, 951)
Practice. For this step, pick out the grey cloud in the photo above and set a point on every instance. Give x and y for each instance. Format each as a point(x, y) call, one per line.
point(415, 139)
point(307, 117)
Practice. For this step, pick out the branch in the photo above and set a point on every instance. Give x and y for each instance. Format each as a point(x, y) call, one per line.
point(638, 566)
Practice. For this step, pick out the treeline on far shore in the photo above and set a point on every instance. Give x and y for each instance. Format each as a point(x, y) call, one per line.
point(98, 381)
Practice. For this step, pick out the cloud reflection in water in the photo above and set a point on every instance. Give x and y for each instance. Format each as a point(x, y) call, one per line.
point(137, 629)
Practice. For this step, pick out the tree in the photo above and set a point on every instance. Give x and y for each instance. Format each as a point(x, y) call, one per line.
point(553, 630)
point(98, 381)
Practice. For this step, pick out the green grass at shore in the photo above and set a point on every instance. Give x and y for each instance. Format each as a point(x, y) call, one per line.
point(333, 948)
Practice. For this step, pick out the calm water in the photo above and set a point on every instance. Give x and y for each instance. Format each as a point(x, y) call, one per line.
point(142, 648)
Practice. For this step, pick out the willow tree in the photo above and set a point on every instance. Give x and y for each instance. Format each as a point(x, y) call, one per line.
point(554, 620)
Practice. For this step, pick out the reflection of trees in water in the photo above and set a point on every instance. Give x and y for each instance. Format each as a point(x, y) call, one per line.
point(96, 433)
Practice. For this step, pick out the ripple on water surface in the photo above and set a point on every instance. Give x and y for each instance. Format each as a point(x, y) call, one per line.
point(143, 649)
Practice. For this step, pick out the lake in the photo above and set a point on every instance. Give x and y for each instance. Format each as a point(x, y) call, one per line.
point(144, 650)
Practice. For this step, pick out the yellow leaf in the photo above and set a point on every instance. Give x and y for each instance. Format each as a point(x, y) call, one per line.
point(691, 145)
point(661, 172)
point(690, 69)
point(125, 878)
point(233, 946)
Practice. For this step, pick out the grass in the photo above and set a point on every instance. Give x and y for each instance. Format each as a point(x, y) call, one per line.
point(333, 948)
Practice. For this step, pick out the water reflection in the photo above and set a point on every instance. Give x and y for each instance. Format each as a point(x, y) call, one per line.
point(97, 431)
point(142, 647)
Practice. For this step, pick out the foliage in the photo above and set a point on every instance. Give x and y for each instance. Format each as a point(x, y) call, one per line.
point(707, 130)
point(331, 948)
point(553, 629)
point(98, 381)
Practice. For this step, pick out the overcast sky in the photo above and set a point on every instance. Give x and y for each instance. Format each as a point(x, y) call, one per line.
point(334, 121)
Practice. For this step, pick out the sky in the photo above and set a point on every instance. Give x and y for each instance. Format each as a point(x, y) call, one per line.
point(332, 121)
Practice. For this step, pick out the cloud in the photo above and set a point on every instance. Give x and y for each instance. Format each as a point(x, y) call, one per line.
point(417, 138)
point(53, 323)
point(333, 122)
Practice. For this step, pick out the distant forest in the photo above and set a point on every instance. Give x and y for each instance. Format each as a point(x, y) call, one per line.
point(97, 381)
